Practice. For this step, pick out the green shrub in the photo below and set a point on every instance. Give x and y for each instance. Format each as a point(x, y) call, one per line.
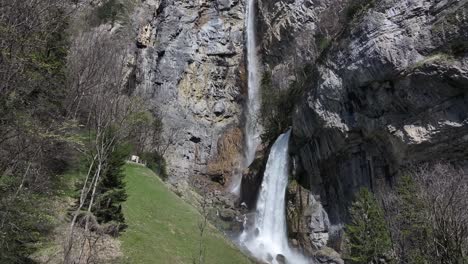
point(111, 11)
point(322, 42)
point(458, 48)
point(156, 163)
point(26, 218)
point(414, 227)
point(110, 190)
point(358, 7)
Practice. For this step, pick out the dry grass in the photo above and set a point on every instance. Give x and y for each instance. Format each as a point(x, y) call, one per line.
point(102, 249)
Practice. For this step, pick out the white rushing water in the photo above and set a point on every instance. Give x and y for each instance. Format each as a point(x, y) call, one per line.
point(268, 236)
point(252, 127)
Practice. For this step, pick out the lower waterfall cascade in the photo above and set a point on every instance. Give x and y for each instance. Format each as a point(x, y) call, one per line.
point(267, 238)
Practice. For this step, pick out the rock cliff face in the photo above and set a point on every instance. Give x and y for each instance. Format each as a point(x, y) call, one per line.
point(293, 34)
point(390, 89)
point(190, 65)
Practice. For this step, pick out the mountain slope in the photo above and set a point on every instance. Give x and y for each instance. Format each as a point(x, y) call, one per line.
point(163, 228)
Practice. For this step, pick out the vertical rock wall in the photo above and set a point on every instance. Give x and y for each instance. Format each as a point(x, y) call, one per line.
point(389, 89)
point(190, 66)
point(390, 92)
point(293, 34)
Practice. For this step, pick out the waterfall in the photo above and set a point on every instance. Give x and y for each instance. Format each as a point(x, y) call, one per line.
point(252, 127)
point(252, 130)
point(267, 238)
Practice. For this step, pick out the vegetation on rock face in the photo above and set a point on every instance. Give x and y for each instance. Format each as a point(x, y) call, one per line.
point(322, 42)
point(357, 8)
point(369, 237)
point(278, 105)
point(275, 110)
point(111, 12)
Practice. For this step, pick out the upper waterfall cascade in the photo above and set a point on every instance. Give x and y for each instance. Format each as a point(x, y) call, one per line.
point(252, 126)
point(267, 238)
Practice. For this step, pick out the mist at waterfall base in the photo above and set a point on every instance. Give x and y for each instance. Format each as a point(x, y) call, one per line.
point(268, 236)
point(252, 127)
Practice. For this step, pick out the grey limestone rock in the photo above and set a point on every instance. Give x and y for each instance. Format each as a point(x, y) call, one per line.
point(389, 94)
point(192, 76)
point(389, 90)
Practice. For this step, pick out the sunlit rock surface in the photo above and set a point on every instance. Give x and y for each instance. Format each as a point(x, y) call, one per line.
point(386, 89)
point(190, 65)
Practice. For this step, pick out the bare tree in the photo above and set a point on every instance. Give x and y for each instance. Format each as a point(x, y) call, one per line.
point(202, 225)
point(98, 64)
point(32, 130)
point(19, 20)
point(428, 215)
point(445, 189)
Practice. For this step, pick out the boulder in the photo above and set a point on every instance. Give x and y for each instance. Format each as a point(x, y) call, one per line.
point(227, 214)
point(224, 4)
point(280, 259)
point(327, 255)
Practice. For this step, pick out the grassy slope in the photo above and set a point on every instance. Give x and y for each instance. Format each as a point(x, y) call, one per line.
point(163, 228)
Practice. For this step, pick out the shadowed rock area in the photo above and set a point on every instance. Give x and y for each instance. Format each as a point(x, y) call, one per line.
point(389, 91)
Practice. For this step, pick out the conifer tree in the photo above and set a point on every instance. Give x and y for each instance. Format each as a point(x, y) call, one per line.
point(368, 233)
point(112, 189)
point(414, 228)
